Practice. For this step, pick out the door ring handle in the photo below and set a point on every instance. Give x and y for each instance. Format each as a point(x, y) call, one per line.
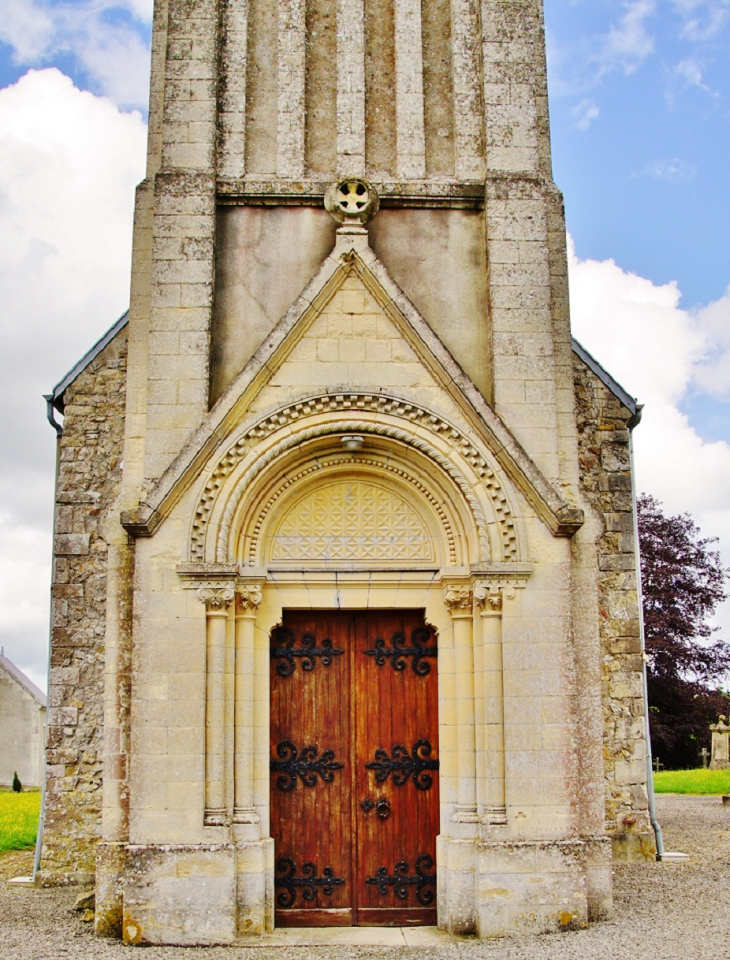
point(382, 808)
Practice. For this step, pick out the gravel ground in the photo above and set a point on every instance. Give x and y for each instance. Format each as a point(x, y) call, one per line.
point(662, 911)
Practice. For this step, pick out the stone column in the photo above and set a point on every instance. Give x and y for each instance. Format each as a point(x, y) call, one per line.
point(115, 787)
point(217, 600)
point(468, 116)
point(459, 601)
point(456, 852)
point(254, 853)
point(491, 790)
point(292, 77)
point(248, 598)
point(410, 138)
point(350, 88)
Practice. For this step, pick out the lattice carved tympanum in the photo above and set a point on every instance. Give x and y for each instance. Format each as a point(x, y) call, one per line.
point(353, 521)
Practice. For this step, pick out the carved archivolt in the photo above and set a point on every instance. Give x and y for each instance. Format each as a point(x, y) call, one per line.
point(413, 415)
point(344, 427)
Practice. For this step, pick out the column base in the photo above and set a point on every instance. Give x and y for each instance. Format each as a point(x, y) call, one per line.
point(254, 887)
point(179, 895)
point(456, 860)
point(599, 877)
point(186, 895)
point(528, 887)
point(108, 900)
point(634, 847)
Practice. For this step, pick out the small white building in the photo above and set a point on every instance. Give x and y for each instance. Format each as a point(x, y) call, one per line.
point(22, 726)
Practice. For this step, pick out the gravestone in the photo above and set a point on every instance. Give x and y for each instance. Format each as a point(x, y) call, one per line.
point(720, 745)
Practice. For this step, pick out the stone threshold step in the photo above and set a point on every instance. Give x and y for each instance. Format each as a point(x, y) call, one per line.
point(352, 937)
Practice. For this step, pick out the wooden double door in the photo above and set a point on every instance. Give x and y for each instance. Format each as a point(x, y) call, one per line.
point(354, 768)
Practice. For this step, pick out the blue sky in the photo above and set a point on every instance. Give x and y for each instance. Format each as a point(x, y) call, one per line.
point(640, 116)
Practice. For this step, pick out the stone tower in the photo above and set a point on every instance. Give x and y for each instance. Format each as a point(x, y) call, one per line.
point(355, 483)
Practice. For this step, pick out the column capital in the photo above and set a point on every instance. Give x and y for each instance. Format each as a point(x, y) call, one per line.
point(459, 598)
point(216, 595)
point(248, 596)
point(488, 599)
point(492, 590)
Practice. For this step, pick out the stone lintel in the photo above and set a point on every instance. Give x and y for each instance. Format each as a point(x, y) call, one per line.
point(454, 194)
point(392, 193)
point(194, 575)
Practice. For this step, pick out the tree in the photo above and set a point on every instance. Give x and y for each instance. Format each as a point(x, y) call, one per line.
point(682, 581)
point(17, 785)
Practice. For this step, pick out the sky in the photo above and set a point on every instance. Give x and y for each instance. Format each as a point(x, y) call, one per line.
point(640, 116)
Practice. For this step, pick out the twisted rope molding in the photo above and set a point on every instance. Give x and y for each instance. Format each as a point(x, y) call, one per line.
point(348, 426)
point(376, 403)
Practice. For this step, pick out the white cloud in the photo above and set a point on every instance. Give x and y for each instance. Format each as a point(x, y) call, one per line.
point(687, 75)
point(102, 35)
point(712, 374)
point(628, 44)
point(69, 162)
point(658, 352)
point(585, 113)
point(583, 64)
point(671, 171)
point(703, 19)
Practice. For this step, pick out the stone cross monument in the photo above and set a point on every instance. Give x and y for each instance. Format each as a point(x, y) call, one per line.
point(720, 748)
point(345, 609)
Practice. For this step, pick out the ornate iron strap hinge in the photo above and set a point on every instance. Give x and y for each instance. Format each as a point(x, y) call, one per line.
point(283, 649)
point(306, 766)
point(401, 881)
point(403, 766)
point(310, 883)
point(398, 651)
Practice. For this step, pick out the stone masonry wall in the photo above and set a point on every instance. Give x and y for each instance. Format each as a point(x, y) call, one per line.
point(606, 481)
point(89, 477)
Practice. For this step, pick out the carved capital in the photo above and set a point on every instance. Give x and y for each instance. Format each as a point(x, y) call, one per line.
point(248, 597)
point(489, 594)
point(488, 598)
point(459, 599)
point(217, 597)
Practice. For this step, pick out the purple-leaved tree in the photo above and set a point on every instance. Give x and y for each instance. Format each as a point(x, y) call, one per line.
point(683, 581)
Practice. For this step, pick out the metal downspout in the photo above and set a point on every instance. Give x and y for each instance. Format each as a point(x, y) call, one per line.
point(42, 818)
point(649, 765)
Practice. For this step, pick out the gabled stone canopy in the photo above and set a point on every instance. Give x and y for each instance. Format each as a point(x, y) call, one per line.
point(427, 363)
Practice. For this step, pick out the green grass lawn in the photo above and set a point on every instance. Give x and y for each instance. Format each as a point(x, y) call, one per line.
point(692, 781)
point(19, 820)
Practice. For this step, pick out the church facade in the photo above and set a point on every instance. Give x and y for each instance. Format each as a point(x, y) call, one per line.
point(345, 609)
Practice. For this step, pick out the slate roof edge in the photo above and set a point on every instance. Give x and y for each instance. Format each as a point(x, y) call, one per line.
point(605, 377)
point(55, 398)
point(17, 674)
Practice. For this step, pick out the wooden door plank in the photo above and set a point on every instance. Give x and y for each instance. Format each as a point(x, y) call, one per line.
point(355, 706)
point(396, 720)
point(385, 917)
point(311, 766)
point(314, 918)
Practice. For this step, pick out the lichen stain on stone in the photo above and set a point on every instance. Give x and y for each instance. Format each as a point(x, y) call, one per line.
point(132, 931)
